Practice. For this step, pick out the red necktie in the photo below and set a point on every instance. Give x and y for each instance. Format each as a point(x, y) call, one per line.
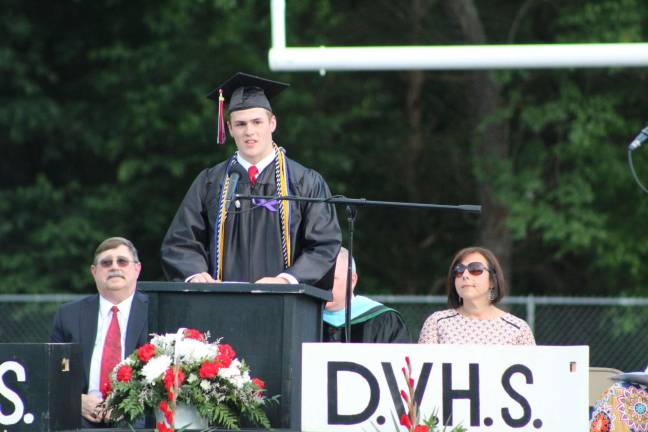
point(252, 172)
point(111, 351)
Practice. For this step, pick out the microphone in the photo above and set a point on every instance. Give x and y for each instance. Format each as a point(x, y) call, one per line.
point(640, 139)
point(234, 178)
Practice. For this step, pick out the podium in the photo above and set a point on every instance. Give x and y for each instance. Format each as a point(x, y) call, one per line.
point(40, 387)
point(265, 324)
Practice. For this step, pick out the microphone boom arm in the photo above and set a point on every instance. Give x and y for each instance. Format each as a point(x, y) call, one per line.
point(363, 202)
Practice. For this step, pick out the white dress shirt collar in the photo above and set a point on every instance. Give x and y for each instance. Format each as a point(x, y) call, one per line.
point(263, 163)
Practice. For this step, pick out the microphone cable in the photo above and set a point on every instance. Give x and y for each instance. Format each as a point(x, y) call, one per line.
point(634, 174)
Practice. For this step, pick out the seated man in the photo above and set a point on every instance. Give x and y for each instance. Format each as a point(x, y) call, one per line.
point(108, 326)
point(370, 321)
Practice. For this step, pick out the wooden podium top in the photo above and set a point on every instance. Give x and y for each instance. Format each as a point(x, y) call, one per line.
point(235, 287)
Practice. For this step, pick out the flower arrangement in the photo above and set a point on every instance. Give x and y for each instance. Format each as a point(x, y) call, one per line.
point(411, 418)
point(185, 367)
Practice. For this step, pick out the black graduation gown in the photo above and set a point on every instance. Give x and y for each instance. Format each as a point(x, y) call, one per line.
point(253, 234)
point(378, 325)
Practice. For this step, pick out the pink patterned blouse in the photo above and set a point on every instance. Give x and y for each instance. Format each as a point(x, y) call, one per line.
point(450, 327)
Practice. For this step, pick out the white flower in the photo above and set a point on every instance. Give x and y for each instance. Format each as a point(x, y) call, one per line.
point(159, 340)
point(232, 373)
point(155, 368)
point(192, 377)
point(164, 343)
point(238, 381)
point(205, 385)
point(242, 379)
point(246, 376)
point(194, 351)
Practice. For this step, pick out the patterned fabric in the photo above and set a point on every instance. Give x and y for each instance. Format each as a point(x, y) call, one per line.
point(622, 408)
point(450, 327)
point(111, 350)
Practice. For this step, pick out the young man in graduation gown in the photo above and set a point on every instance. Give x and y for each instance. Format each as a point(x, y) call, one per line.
point(370, 321)
point(215, 237)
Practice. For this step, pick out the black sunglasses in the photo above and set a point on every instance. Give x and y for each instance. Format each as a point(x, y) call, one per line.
point(474, 268)
point(121, 262)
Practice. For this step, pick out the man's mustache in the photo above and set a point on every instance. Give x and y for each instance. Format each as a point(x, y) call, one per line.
point(115, 273)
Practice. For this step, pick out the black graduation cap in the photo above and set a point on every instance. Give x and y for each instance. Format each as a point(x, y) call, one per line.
point(244, 91)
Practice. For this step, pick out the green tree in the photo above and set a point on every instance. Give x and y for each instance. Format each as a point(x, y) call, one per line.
point(104, 124)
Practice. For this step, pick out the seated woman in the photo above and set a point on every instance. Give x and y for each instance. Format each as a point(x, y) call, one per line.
point(475, 285)
point(624, 406)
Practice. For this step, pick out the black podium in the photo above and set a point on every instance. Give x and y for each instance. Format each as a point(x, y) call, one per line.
point(40, 387)
point(265, 324)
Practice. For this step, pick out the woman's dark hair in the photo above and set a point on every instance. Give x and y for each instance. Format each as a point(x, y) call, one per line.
point(496, 275)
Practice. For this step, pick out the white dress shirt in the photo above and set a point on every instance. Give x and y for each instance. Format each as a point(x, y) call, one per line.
point(103, 323)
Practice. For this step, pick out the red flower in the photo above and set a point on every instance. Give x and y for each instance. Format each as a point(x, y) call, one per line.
point(161, 427)
point(194, 334)
point(124, 373)
point(105, 389)
point(146, 352)
point(223, 361)
point(421, 428)
point(168, 414)
point(259, 383)
point(225, 355)
point(208, 369)
point(404, 396)
point(168, 378)
point(226, 351)
point(405, 421)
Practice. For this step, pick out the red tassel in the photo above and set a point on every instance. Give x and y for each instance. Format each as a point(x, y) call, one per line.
point(221, 118)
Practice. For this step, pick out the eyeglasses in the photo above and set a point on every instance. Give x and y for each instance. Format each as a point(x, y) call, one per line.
point(474, 268)
point(121, 262)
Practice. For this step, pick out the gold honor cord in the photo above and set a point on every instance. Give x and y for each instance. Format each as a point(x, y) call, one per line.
point(221, 229)
point(282, 189)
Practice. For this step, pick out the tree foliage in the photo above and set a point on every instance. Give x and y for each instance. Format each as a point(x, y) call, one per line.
point(104, 124)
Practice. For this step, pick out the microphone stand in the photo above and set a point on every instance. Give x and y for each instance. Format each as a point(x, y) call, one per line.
point(351, 212)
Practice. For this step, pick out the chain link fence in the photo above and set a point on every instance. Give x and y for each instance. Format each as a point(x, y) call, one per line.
point(28, 318)
point(616, 329)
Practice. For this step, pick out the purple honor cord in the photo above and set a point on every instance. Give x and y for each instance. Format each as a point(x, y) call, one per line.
point(268, 204)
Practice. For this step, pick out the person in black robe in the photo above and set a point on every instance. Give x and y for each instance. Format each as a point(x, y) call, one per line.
point(371, 321)
point(215, 237)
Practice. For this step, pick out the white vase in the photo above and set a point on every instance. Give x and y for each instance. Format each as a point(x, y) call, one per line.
point(185, 416)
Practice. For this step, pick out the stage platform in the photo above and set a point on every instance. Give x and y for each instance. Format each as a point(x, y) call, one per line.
point(184, 430)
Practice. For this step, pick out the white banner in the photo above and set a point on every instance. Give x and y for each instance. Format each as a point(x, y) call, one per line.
point(357, 387)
